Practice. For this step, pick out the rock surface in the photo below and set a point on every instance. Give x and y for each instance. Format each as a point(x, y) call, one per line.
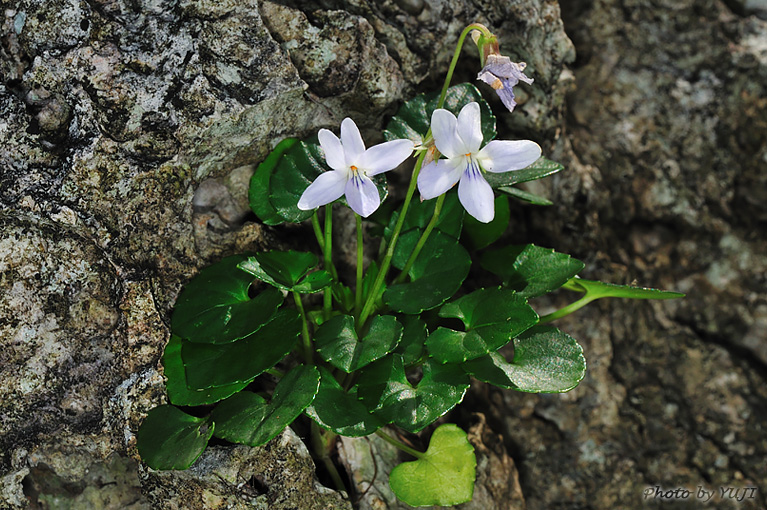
point(129, 129)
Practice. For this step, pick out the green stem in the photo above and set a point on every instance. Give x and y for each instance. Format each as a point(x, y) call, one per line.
point(318, 231)
point(358, 288)
point(399, 444)
point(327, 297)
point(308, 356)
point(370, 301)
point(422, 241)
point(320, 442)
point(572, 307)
point(279, 374)
point(456, 54)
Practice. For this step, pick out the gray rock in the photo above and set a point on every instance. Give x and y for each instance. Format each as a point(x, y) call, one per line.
point(129, 129)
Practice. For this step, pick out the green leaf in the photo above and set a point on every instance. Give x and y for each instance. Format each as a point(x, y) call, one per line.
point(534, 271)
point(435, 276)
point(385, 390)
point(248, 419)
point(287, 270)
point(411, 346)
point(414, 117)
point(479, 235)
point(215, 307)
point(171, 439)
point(339, 411)
point(596, 290)
point(212, 366)
point(492, 318)
point(258, 193)
point(298, 167)
point(178, 393)
point(338, 344)
point(541, 168)
point(546, 360)
point(525, 196)
point(443, 476)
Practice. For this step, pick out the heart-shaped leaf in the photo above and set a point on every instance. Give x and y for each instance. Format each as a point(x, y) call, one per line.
point(287, 270)
point(340, 411)
point(492, 318)
point(435, 276)
point(540, 168)
point(411, 346)
point(248, 419)
point(546, 360)
point(443, 476)
point(338, 344)
point(479, 235)
point(178, 393)
point(215, 307)
point(212, 366)
point(414, 117)
point(385, 389)
point(258, 195)
point(595, 290)
point(171, 439)
point(534, 270)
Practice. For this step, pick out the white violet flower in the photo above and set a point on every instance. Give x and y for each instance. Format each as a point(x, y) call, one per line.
point(459, 140)
point(353, 166)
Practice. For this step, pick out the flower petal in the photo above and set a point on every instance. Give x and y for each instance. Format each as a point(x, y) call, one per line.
point(443, 129)
point(504, 155)
point(334, 152)
point(362, 195)
point(476, 195)
point(385, 156)
point(469, 128)
point(352, 141)
point(326, 188)
point(439, 176)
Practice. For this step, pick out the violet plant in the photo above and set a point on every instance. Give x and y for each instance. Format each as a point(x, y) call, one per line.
point(347, 361)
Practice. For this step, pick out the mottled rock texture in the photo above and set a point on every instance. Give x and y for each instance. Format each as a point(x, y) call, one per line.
point(128, 132)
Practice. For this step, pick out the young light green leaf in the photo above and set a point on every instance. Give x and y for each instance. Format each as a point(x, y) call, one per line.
point(479, 235)
point(287, 270)
point(546, 360)
point(248, 419)
point(258, 194)
point(385, 390)
point(492, 318)
point(215, 308)
point(338, 344)
point(538, 170)
point(534, 271)
point(596, 290)
point(414, 117)
point(436, 275)
point(443, 476)
point(171, 439)
point(525, 196)
point(178, 393)
point(212, 366)
point(339, 411)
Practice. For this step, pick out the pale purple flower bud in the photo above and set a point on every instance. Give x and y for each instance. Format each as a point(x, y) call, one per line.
point(502, 74)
